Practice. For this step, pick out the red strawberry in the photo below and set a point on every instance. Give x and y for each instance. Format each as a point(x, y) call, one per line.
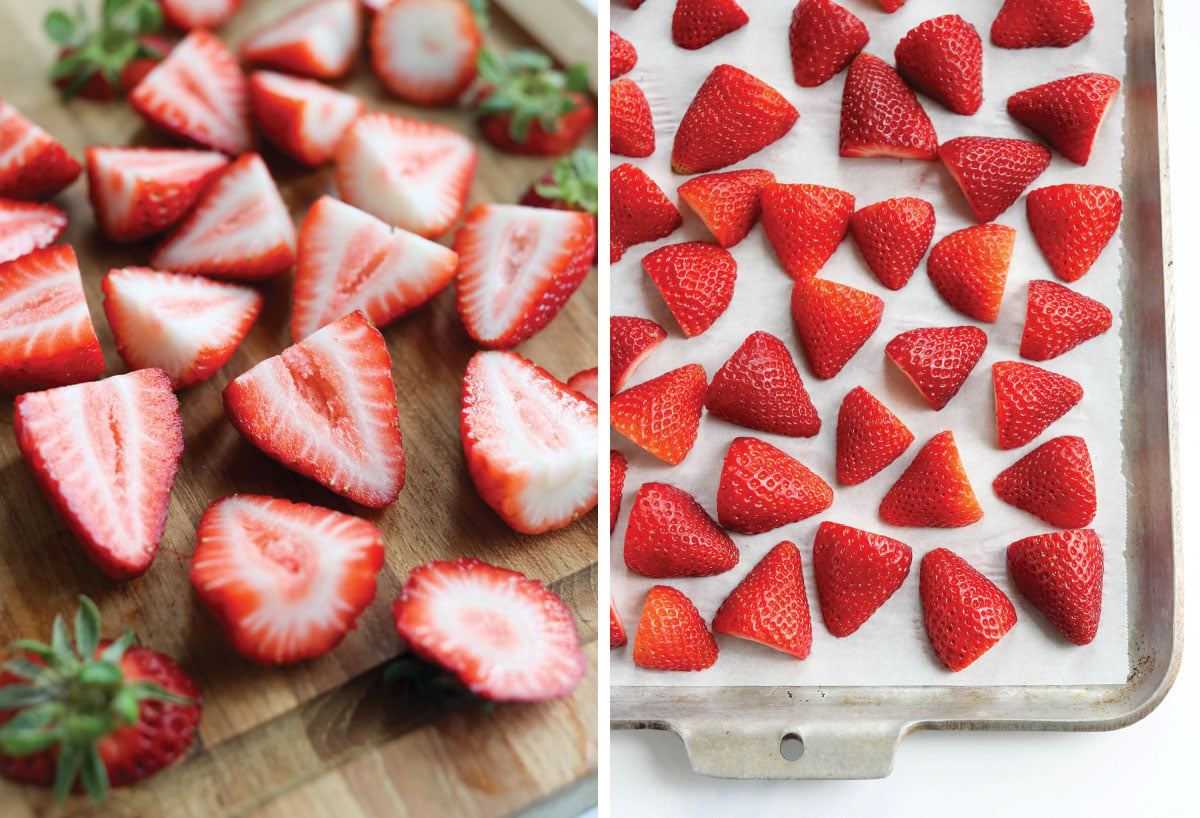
point(669, 534)
point(1041, 23)
point(671, 634)
point(943, 59)
point(991, 172)
point(695, 279)
point(696, 23)
point(937, 359)
point(857, 572)
point(1066, 113)
point(630, 341)
point(587, 383)
point(517, 266)
point(662, 415)
point(833, 321)
point(1062, 575)
point(728, 203)
point(881, 116)
point(326, 408)
point(424, 51)
point(572, 184)
point(101, 62)
point(617, 466)
point(320, 39)
point(285, 580)
point(763, 488)
point(616, 630)
point(769, 605)
point(732, 116)
point(965, 613)
point(199, 94)
point(632, 128)
point(805, 224)
point(1054, 482)
point(116, 503)
point(890, 5)
point(969, 268)
point(190, 14)
point(33, 165)
point(529, 441)
point(1059, 319)
point(893, 236)
point(507, 637)
point(760, 388)
point(28, 226)
point(1028, 400)
point(529, 107)
point(640, 211)
point(186, 326)
point(411, 174)
point(634, 4)
point(46, 333)
point(869, 437)
point(1072, 224)
point(622, 56)
point(348, 260)
point(934, 491)
point(137, 192)
point(304, 118)
point(823, 38)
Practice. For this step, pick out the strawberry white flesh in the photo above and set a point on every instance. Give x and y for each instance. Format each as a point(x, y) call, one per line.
point(586, 383)
point(28, 226)
point(106, 454)
point(303, 117)
point(286, 580)
point(318, 40)
point(33, 165)
point(189, 14)
point(349, 260)
point(424, 50)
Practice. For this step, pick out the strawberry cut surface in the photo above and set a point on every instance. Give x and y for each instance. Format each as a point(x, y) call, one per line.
point(424, 51)
point(760, 388)
point(28, 226)
point(728, 203)
point(669, 534)
point(857, 572)
point(319, 39)
point(33, 165)
point(631, 340)
point(769, 606)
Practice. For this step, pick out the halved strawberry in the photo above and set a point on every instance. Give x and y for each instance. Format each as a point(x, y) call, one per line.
point(326, 408)
point(943, 59)
point(762, 488)
point(1058, 319)
point(965, 613)
point(616, 630)
point(348, 260)
point(137, 192)
point(320, 39)
point(285, 580)
point(33, 165)
point(631, 127)
point(1041, 23)
point(857, 572)
point(106, 454)
point(1054, 482)
point(409, 173)
point(881, 116)
point(507, 637)
point(760, 388)
point(662, 415)
point(1062, 575)
point(728, 203)
point(528, 107)
point(970, 266)
point(893, 236)
point(1072, 224)
point(805, 224)
point(46, 333)
point(630, 341)
point(823, 38)
point(240, 228)
point(696, 23)
point(190, 14)
point(833, 321)
point(517, 266)
point(529, 441)
point(869, 437)
point(696, 280)
point(769, 606)
point(1028, 400)
point(1067, 113)
point(199, 93)
point(937, 359)
point(669, 534)
point(934, 491)
point(671, 634)
point(424, 51)
point(28, 226)
point(992, 173)
point(622, 56)
point(587, 383)
point(304, 118)
point(617, 466)
point(640, 211)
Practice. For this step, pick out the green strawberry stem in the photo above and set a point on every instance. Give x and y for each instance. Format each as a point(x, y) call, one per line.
point(106, 50)
point(575, 182)
point(525, 84)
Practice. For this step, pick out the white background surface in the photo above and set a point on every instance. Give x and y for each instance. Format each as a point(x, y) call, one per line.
point(1149, 768)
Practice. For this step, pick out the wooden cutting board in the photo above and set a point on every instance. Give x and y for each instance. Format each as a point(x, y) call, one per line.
point(328, 734)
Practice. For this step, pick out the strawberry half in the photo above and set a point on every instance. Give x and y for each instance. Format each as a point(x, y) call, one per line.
point(1041, 23)
point(805, 224)
point(304, 118)
point(631, 125)
point(833, 322)
point(529, 441)
point(320, 39)
point(769, 606)
point(186, 15)
point(696, 23)
point(760, 388)
point(669, 534)
point(993, 173)
point(28, 226)
point(506, 637)
point(622, 56)
point(662, 415)
point(671, 634)
point(587, 383)
point(186, 326)
point(881, 116)
point(762, 488)
point(411, 174)
point(857, 572)
point(943, 59)
point(934, 491)
point(617, 466)
point(616, 630)
point(240, 228)
point(695, 279)
point(640, 211)
point(348, 260)
point(424, 51)
point(1058, 319)
point(728, 203)
point(823, 38)
point(33, 165)
point(970, 266)
point(937, 359)
point(116, 506)
point(326, 408)
point(1028, 400)
point(893, 236)
point(1062, 575)
point(965, 613)
point(1072, 224)
point(1067, 113)
point(1054, 482)
point(285, 580)
point(869, 437)
point(630, 341)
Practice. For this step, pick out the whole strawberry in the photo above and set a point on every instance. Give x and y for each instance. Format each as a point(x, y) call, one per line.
point(857, 572)
point(965, 613)
point(529, 107)
point(1062, 575)
point(102, 63)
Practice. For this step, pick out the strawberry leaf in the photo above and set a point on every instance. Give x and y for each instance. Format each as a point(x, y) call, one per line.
point(60, 27)
point(70, 758)
point(93, 774)
point(87, 628)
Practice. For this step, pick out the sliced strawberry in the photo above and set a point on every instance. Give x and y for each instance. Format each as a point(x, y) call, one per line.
point(424, 50)
point(857, 572)
point(881, 116)
point(937, 359)
point(33, 165)
point(1062, 575)
point(769, 606)
point(640, 211)
point(529, 441)
point(934, 491)
point(869, 437)
point(1067, 113)
point(662, 415)
point(326, 408)
point(833, 321)
point(991, 172)
point(1058, 319)
point(728, 203)
point(412, 174)
point(762, 488)
point(671, 634)
point(28, 226)
point(46, 333)
point(1054, 482)
point(199, 94)
point(190, 14)
point(805, 224)
point(617, 466)
point(240, 228)
point(507, 637)
point(695, 279)
point(965, 613)
point(631, 125)
point(348, 260)
point(587, 383)
point(760, 388)
point(630, 341)
point(823, 38)
point(893, 236)
point(943, 59)
point(1041, 23)
point(137, 192)
point(304, 118)
point(1072, 225)
point(622, 56)
point(285, 580)
point(616, 630)
point(1028, 400)
point(669, 534)
point(320, 39)
point(106, 454)
point(969, 268)
point(696, 23)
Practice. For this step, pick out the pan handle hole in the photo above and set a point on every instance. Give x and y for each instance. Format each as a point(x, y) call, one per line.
point(791, 747)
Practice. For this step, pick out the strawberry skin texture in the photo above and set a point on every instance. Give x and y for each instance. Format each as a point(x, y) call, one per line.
point(662, 415)
point(805, 224)
point(969, 268)
point(760, 388)
point(33, 165)
point(893, 236)
point(823, 38)
point(881, 116)
point(622, 57)
point(695, 279)
point(769, 605)
point(632, 127)
point(1062, 575)
point(1028, 400)
point(696, 23)
point(869, 437)
point(305, 119)
point(965, 613)
point(616, 629)
point(320, 39)
point(992, 173)
point(617, 467)
point(934, 491)
point(671, 634)
point(424, 51)
point(728, 203)
point(1058, 319)
point(640, 211)
point(1072, 224)
point(938, 360)
point(1041, 23)
point(1054, 482)
point(943, 59)
point(1067, 113)
point(28, 226)
point(669, 534)
point(762, 488)
point(631, 340)
point(890, 5)
point(833, 322)
point(857, 572)
point(572, 127)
